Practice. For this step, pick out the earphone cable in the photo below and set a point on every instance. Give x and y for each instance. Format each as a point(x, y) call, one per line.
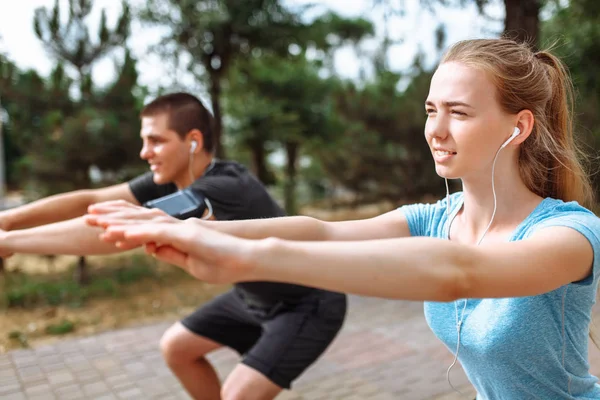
point(192, 179)
point(459, 322)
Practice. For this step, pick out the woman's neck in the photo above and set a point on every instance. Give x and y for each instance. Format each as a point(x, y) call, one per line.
point(514, 202)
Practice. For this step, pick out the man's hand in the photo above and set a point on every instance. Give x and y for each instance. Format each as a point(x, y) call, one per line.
point(113, 206)
point(119, 213)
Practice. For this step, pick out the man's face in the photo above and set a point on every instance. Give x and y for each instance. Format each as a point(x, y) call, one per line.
point(164, 150)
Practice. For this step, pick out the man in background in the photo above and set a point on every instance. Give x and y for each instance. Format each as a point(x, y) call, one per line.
point(280, 329)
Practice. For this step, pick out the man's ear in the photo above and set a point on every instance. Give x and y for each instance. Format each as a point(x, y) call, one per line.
point(196, 136)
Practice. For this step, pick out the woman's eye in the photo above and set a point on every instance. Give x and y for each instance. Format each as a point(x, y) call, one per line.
point(456, 112)
point(429, 111)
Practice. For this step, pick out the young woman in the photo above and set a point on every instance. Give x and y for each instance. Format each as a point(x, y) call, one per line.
point(508, 267)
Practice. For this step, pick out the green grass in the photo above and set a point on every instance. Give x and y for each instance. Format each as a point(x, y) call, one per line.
point(61, 328)
point(29, 291)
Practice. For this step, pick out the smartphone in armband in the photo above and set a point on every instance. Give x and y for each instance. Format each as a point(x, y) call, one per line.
point(182, 204)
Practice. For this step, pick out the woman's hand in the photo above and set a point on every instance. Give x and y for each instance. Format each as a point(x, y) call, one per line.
point(206, 254)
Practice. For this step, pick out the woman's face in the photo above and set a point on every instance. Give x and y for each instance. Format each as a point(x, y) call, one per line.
point(465, 123)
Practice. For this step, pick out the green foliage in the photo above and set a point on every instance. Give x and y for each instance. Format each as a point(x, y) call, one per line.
point(278, 100)
point(330, 31)
point(27, 291)
point(60, 328)
point(284, 100)
point(216, 33)
point(381, 153)
point(575, 31)
point(25, 100)
point(71, 42)
point(20, 337)
point(56, 139)
point(281, 103)
point(364, 136)
point(220, 34)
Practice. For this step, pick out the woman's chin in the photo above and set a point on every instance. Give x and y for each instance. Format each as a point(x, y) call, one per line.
point(446, 173)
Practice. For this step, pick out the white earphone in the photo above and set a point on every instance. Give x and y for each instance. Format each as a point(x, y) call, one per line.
point(194, 144)
point(459, 321)
point(516, 133)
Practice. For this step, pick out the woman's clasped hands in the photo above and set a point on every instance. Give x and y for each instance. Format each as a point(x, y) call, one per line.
point(204, 253)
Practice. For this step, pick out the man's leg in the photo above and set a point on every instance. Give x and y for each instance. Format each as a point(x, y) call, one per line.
point(245, 383)
point(291, 341)
point(221, 322)
point(184, 352)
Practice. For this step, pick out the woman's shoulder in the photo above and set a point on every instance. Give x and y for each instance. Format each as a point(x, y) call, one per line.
point(454, 200)
point(551, 208)
point(555, 212)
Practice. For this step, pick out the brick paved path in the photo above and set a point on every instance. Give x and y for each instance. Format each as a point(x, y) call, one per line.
point(385, 351)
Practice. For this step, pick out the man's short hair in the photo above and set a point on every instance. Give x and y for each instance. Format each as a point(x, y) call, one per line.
point(184, 113)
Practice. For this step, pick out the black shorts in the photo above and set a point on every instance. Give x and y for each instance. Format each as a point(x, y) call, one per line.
point(280, 341)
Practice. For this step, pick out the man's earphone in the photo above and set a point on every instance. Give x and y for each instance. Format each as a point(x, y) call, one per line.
point(516, 133)
point(193, 147)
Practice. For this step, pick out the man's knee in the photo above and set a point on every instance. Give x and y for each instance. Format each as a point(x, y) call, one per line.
point(245, 383)
point(179, 346)
point(245, 392)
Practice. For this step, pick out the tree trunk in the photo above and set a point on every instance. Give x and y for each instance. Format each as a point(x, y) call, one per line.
point(291, 149)
point(1, 266)
point(81, 274)
point(522, 20)
point(259, 162)
point(215, 98)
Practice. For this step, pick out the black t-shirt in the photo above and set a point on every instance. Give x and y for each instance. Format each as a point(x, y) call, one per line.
point(234, 194)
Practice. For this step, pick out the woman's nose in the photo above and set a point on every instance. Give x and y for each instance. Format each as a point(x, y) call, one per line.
point(436, 128)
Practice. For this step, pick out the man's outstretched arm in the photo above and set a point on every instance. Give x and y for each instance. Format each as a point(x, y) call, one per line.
point(61, 207)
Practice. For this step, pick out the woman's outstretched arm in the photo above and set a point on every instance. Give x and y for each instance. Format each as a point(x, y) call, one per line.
point(406, 268)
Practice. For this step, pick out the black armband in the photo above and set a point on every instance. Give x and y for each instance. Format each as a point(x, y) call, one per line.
point(182, 204)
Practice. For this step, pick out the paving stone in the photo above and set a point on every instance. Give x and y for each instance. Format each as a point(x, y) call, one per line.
point(133, 393)
point(70, 391)
point(9, 380)
point(87, 376)
point(105, 364)
point(60, 378)
point(14, 396)
point(9, 389)
point(106, 397)
point(96, 388)
point(73, 396)
point(37, 388)
point(46, 396)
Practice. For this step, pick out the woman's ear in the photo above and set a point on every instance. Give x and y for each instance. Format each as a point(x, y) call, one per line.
point(525, 122)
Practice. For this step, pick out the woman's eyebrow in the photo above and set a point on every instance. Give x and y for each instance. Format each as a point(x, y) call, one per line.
point(450, 104)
